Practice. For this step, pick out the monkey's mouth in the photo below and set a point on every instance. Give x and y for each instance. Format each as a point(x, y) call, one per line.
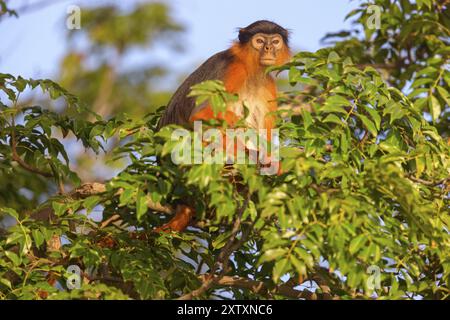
point(268, 61)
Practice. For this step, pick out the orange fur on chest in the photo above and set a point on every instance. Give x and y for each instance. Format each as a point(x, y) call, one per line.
point(247, 78)
point(257, 90)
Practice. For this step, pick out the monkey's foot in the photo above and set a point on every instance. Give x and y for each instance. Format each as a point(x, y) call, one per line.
point(180, 221)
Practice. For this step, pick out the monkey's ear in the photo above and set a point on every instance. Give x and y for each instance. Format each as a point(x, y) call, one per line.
point(243, 35)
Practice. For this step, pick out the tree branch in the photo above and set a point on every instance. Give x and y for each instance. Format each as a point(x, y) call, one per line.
point(223, 258)
point(258, 287)
point(94, 188)
point(427, 183)
point(91, 189)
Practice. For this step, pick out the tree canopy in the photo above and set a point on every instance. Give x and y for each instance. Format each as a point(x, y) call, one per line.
point(361, 209)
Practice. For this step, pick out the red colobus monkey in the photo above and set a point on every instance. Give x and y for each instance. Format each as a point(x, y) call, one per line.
point(242, 70)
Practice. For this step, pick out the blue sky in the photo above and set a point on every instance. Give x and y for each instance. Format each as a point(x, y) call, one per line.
point(33, 45)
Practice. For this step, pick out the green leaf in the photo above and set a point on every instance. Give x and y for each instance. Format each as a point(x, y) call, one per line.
point(13, 257)
point(435, 107)
point(141, 205)
point(272, 254)
point(305, 256)
point(420, 82)
point(327, 108)
point(306, 81)
point(59, 208)
point(368, 124)
point(298, 265)
point(90, 202)
point(357, 243)
point(344, 143)
point(338, 100)
point(334, 119)
point(38, 237)
point(126, 196)
point(6, 282)
point(279, 269)
point(333, 57)
point(307, 119)
point(20, 84)
point(11, 212)
point(389, 147)
point(427, 71)
point(294, 75)
point(221, 240)
point(375, 116)
point(444, 94)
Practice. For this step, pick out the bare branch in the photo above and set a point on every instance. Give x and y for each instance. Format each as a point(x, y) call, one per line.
point(258, 287)
point(87, 190)
point(105, 223)
point(428, 183)
point(385, 66)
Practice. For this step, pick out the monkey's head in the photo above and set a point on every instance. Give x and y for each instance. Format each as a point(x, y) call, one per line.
point(268, 40)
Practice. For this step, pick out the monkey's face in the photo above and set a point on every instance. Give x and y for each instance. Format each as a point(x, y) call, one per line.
point(268, 46)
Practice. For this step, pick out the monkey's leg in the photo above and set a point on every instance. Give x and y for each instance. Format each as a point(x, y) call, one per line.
point(180, 221)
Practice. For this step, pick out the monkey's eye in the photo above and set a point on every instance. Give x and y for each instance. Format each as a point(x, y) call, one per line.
point(276, 42)
point(259, 41)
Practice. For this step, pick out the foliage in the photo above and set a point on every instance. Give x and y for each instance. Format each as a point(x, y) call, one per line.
point(364, 184)
point(410, 47)
point(5, 10)
point(99, 71)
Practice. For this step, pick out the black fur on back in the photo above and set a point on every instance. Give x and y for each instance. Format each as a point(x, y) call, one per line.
point(180, 106)
point(262, 26)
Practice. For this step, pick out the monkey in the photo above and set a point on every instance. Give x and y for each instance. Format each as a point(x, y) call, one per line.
point(242, 68)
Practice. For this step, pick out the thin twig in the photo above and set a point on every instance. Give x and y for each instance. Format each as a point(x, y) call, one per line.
point(108, 221)
point(259, 287)
point(428, 183)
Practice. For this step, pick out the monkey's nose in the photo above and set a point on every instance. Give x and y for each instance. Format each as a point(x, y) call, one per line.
point(267, 48)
